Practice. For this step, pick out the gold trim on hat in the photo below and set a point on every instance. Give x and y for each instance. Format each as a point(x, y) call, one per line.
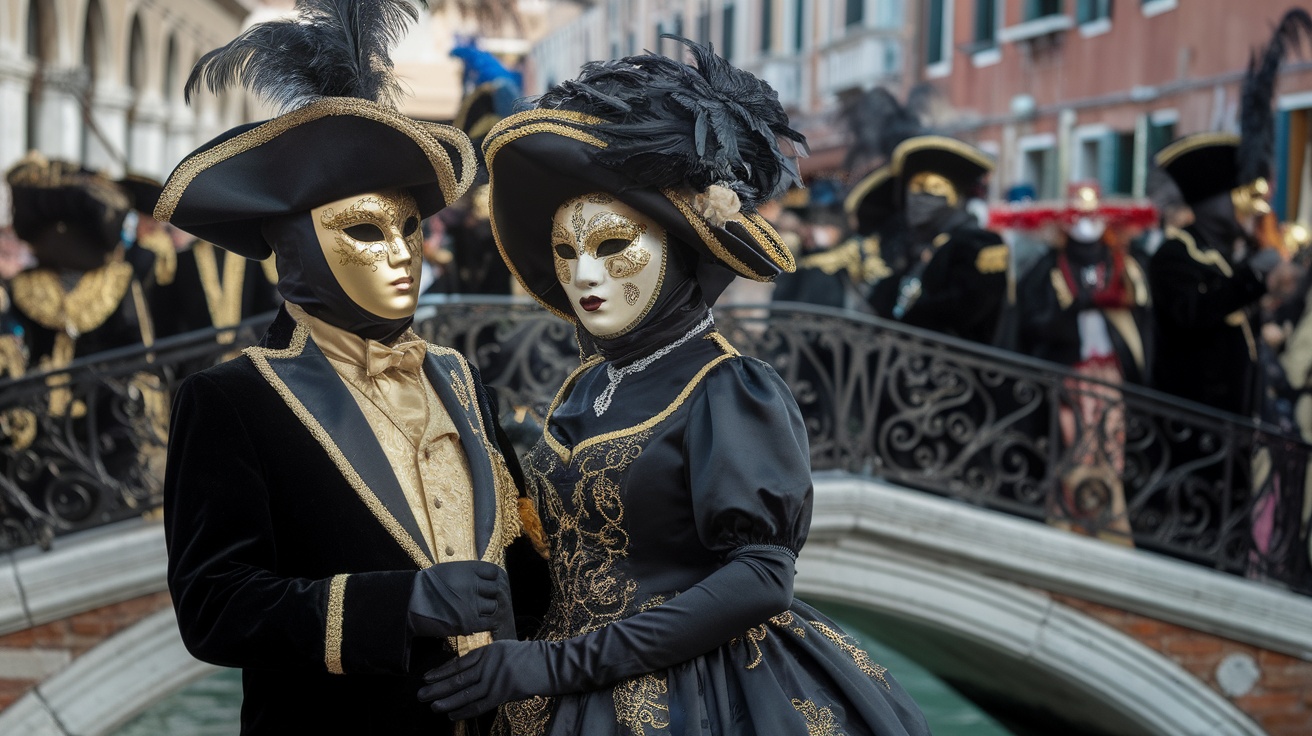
point(865, 186)
point(425, 135)
point(1168, 155)
point(941, 143)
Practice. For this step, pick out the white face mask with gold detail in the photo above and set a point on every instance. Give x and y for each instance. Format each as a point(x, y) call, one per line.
point(610, 259)
point(373, 243)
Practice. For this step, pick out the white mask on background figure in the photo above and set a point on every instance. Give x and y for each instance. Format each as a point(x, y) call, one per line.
point(1088, 229)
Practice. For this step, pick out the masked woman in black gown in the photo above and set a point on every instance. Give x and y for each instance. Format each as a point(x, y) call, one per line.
point(673, 477)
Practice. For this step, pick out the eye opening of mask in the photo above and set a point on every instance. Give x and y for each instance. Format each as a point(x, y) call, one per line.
point(612, 247)
point(365, 232)
point(410, 227)
point(566, 251)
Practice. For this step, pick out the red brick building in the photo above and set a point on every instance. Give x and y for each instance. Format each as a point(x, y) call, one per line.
point(1063, 90)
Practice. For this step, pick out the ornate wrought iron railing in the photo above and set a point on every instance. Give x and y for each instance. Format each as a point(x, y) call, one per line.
point(948, 417)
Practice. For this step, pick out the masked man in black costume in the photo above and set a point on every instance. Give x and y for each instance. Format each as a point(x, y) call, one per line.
point(955, 279)
point(337, 510)
point(1204, 278)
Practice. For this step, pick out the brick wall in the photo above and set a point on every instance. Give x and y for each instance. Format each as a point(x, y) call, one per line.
point(30, 656)
point(1281, 699)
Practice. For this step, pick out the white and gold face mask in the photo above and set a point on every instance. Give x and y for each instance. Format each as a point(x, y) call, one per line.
point(372, 243)
point(610, 259)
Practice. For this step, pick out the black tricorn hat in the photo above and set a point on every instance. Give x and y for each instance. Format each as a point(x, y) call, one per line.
point(957, 161)
point(1202, 165)
point(59, 206)
point(663, 137)
point(341, 135)
point(332, 148)
point(143, 191)
point(873, 200)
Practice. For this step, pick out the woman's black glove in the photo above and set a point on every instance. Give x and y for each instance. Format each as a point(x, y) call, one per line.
point(755, 584)
point(460, 598)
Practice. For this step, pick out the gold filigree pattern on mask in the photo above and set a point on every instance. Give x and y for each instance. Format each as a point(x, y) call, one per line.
point(606, 226)
point(819, 721)
point(935, 185)
point(387, 215)
point(628, 262)
point(631, 294)
point(642, 704)
point(600, 198)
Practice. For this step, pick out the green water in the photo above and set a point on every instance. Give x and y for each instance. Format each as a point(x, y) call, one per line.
point(212, 706)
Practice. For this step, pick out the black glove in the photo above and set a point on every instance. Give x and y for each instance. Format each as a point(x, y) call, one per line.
point(460, 598)
point(755, 584)
point(502, 671)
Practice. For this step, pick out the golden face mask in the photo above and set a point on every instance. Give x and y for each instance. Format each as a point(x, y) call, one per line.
point(1250, 200)
point(935, 185)
point(372, 243)
point(610, 259)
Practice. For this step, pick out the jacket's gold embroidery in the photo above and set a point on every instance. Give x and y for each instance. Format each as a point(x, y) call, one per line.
point(523, 717)
point(642, 703)
point(39, 294)
point(819, 721)
point(858, 655)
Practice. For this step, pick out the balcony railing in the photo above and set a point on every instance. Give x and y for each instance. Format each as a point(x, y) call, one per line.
point(943, 416)
point(858, 61)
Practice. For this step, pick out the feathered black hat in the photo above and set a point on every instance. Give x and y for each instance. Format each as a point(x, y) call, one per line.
point(328, 70)
point(1204, 165)
point(694, 147)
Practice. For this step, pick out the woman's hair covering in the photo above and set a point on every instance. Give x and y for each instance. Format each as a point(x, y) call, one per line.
point(327, 48)
point(1256, 121)
point(675, 125)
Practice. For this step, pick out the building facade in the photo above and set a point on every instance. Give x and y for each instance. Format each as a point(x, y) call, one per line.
point(101, 81)
point(810, 51)
point(1063, 90)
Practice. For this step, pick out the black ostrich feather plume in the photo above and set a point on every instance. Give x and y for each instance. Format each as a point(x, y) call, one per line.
point(1256, 122)
point(329, 48)
point(877, 122)
point(680, 125)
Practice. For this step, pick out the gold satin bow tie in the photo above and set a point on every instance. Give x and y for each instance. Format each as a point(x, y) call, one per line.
point(406, 356)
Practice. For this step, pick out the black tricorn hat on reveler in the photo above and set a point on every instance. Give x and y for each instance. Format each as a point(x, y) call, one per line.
point(694, 147)
point(250, 190)
point(1204, 165)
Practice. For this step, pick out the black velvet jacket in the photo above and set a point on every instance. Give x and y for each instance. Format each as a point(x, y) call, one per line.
point(1206, 349)
point(292, 550)
point(962, 289)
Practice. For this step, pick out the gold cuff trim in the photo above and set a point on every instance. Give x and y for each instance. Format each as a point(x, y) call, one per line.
point(332, 640)
point(423, 134)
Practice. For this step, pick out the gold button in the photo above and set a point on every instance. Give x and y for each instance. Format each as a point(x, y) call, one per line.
point(450, 552)
point(437, 502)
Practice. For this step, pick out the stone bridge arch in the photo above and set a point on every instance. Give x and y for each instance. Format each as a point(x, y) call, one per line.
point(995, 605)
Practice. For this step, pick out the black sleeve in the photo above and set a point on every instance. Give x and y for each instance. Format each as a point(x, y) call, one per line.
point(232, 609)
point(1195, 295)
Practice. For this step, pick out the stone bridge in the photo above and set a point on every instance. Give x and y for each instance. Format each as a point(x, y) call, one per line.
point(1006, 610)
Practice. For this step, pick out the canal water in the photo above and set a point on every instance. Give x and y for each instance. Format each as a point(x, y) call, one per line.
point(212, 706)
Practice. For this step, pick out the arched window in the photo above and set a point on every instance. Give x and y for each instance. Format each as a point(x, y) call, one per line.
point(136, 82)
point(171, 70)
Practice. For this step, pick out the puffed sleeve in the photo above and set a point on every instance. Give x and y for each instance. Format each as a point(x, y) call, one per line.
point(749, 466)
